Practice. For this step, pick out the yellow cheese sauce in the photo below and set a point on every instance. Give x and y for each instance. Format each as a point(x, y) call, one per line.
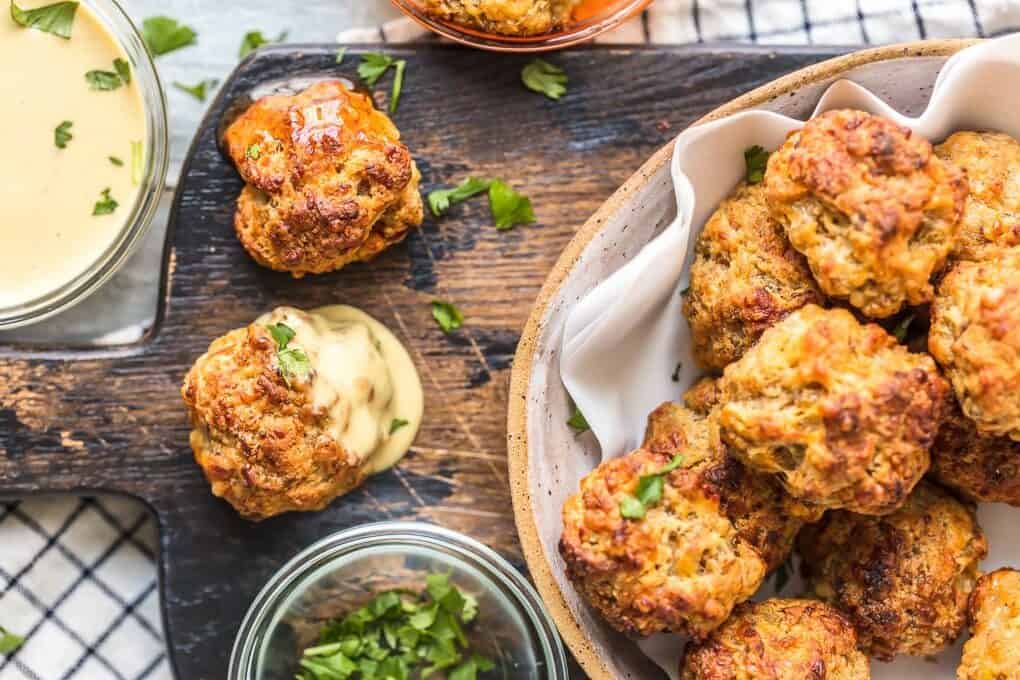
point(362, 376)
point(48, 234)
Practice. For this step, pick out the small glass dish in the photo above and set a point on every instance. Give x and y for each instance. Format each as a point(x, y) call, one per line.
point(608, 15)
point(154, 169)
point(342, 572)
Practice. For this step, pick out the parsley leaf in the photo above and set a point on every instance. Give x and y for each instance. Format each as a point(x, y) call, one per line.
point(294, 363)
point(137, 159)
point(577, 421)
point(440, 200)
point(509, 208)
point(447, 316)
point(755, 158)
point(116, 161)
point(282, 334)
point(396, 424)
point(123, 70)
point(902, 329)
point(373, 65)
point(340, 54)
point(254, 39)
point(105, 205)
point(57, 18)
point(9, 642)
point(648, 492)
point(62, 134)
point(198, 90)
point(103, 80)
point(163, 34)
point(254, 151)
point(544, 78)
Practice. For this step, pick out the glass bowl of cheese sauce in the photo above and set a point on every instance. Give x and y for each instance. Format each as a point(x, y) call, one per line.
point(85, 131)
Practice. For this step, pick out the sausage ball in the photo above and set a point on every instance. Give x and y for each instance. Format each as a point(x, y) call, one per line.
point(778, 640)
point(975, 337)
point(991, 652)
point(682, 566)
point(838, 410)
point(991, 213)
point(328, 181)
point(871, 206)
point(903, 579)
point(745, 278)
point(506, 17)
point(764, 515)
point(980, 467)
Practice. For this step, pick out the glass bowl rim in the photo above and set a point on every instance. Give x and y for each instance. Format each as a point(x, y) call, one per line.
point(116, 20)
point(393, 533)
point(581, 32)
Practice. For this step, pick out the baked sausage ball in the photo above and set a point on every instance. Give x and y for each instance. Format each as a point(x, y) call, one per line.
point(682, 566)
point(745, 277)
point(871, 206)
point(983, 468)
point(328, 180)
point(764, 515)
point(975, 337)
point(991, 652)
point(507, 17)
point(903, 579)
point(991, 213)
point(838, 410)
point(778, 640)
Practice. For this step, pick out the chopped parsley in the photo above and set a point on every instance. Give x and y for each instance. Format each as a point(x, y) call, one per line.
point(198, 90)
point(163, 34)
point(254, 151)
point(57, 18)
point(253, 40)
point(62, 134)
point(447, 316)
point(578, 422)
point(116, 161)
point(396, 424)
point(399, 634)
point(137, 160)
point(294, 363)
point(755, 158)
point(440, 200)
point(372, 67)
point(123, 70)
point(648, 492)
point(542, 77)
point(9, 642)
point(902, 329)
point(340, 54)
point(105, 205)
point(509, 208)
point(103, 81)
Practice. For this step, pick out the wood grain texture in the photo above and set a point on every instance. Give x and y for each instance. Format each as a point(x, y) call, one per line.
point(74, 421)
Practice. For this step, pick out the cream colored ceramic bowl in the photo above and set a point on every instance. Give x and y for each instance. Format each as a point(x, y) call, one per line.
point(546, 460)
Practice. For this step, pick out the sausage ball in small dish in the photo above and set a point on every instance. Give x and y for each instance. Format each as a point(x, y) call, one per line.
point(991, 213)
point(647, 541)
point(839, 411)
point(870, 205)
point(991, 652)
point(745, 277)
point(505, 17)
point(903, 579)
point(298, 408)
point(975, 337)
point(984, 468)
point(328, 181)
point(778, 639)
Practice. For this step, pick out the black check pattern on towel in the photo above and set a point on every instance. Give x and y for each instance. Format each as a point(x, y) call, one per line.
point(78, 581)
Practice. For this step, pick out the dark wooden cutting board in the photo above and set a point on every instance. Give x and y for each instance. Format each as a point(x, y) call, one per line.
point(81, 421)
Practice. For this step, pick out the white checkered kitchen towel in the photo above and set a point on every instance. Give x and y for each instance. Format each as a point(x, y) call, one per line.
point(78, 578)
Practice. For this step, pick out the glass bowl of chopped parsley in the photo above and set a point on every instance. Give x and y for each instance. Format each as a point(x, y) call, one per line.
point(400, 601)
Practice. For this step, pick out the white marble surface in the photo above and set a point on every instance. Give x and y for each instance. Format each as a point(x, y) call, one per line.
point(121, 310)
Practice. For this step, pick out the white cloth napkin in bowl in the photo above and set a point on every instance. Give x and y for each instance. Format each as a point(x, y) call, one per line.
point(635, 316)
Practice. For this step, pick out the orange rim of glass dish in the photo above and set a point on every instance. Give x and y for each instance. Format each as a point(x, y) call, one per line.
point(613, 15)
